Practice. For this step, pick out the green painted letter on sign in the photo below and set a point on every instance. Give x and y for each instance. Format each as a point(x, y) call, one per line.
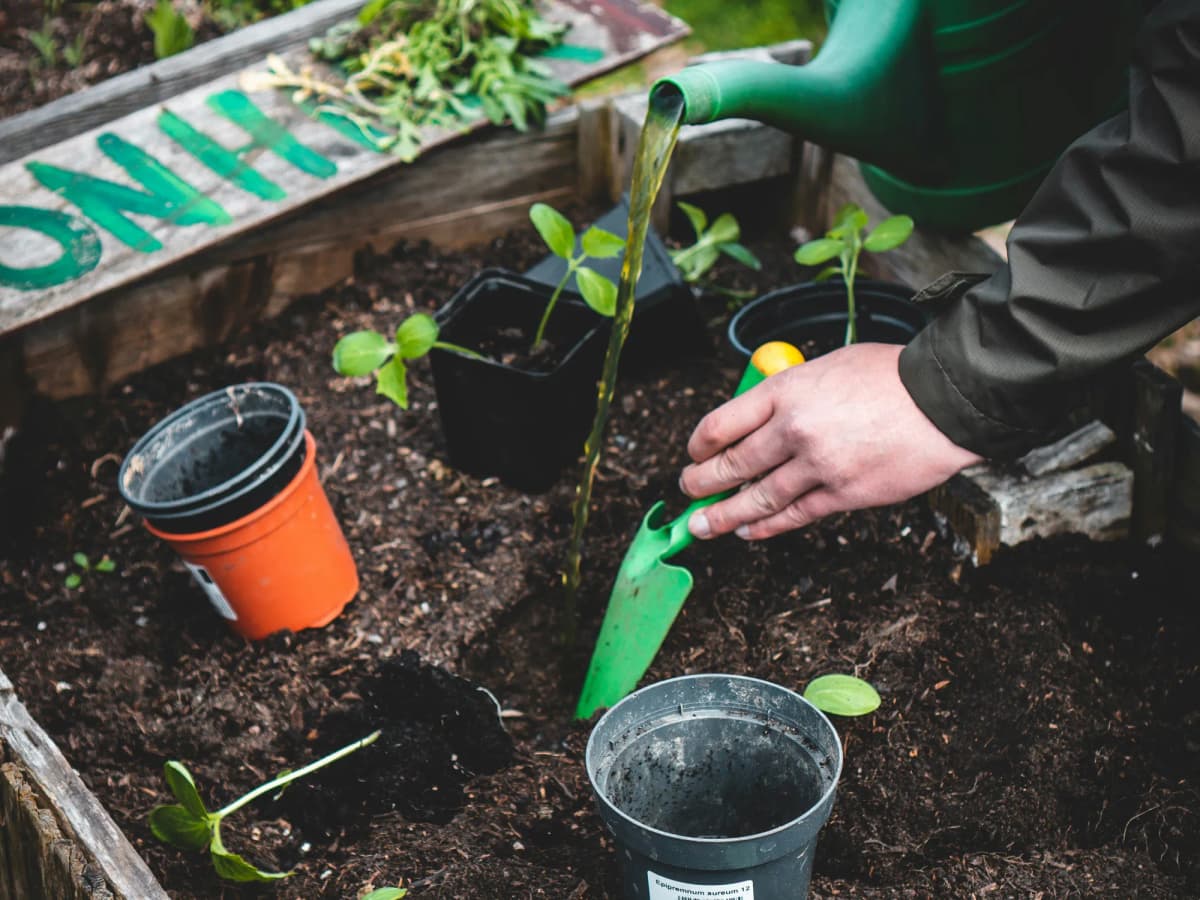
point(79, 241)
point(107, 203)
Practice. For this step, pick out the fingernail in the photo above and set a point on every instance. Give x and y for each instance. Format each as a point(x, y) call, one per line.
point(682, 489)
point(743, 531)
point(698, 525)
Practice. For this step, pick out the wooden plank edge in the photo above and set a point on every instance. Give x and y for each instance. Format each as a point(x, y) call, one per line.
point(115, 97)
point(40, 783)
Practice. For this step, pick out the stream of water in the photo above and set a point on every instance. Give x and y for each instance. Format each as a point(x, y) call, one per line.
point(659, 133)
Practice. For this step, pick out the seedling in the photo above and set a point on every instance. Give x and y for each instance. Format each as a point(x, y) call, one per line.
point(364, 352)
point(189, 825)
point(842, 695)
point(386, 893)
point(845, 241)
point(75, 579)
point(43, 41)
point(73, 52)
point(172, 33)
point(721, 237)
point(598, 292)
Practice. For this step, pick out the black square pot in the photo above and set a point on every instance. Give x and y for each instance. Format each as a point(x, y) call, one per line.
point(666, 321)
point(520, 426)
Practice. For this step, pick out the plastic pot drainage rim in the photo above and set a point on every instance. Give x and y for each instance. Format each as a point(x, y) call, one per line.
point(714, 786)
point(215, 459)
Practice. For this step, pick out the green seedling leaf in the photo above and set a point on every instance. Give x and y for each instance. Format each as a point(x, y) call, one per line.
point(699, 262)
point(696, 216)
point(106, 565)
point(554, 228)
point(742, 254)
point(416, 336)
point(80, 560)
point(234, 868)
point(827, 273)
point(361, 353)
point(598, 292)
point(386, 893)
point(72, 581)
point(172, 33)
point(183, 787)
point(842, 695)
point(889, 234)
point(176, 826)
point(601, 244)
point(850, 217)
point(371, 11)
point(392, 382)
point(724, 230)
point(821, 250)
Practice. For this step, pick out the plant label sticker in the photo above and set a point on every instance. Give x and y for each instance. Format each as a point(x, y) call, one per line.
point(215, 597)
point(662, 888)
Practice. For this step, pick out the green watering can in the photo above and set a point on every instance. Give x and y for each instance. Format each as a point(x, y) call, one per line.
point(956, 109)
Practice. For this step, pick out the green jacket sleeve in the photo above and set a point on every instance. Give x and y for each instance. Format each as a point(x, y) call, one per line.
point(1103, 263)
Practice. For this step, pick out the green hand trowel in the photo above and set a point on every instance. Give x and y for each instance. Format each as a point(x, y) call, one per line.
point(649, 591)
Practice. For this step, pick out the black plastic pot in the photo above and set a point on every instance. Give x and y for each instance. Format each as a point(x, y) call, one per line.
point(521, 426)
point(815, 311)
point(216, 459)
point(666, 321)
point(714, 786)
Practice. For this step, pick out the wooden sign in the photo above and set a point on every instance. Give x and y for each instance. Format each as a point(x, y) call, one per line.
point(114, 204)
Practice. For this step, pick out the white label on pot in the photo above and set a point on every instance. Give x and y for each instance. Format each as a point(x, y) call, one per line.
point(662, 888)
point(215, 597)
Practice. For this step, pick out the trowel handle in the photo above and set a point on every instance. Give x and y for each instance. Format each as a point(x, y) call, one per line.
point(767, 360)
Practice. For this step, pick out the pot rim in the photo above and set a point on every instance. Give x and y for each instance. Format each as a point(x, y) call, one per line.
point(819, 808)
point(289, 438)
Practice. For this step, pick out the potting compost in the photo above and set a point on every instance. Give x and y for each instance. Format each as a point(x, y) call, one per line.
point(1037, 731)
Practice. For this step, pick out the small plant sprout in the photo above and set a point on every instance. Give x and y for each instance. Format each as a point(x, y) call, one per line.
point(721, 237)
point(189, 825)
point(75, 579)
point(364, 352)
point(842, 695)
point(845, 241)
point(172, 32)
point(385, 893)
point(598, 292)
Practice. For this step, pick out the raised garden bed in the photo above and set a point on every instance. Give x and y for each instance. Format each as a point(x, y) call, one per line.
point(1036, 732)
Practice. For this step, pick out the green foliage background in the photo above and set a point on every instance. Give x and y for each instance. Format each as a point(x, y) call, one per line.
point(726, 24)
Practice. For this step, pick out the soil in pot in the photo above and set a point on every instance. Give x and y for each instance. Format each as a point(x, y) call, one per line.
point(1038, 731)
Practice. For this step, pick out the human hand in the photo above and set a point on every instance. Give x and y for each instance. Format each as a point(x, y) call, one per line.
point(831, 435)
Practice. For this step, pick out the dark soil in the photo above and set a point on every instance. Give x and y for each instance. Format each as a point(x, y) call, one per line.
point(1040, 728)
point(109, 36)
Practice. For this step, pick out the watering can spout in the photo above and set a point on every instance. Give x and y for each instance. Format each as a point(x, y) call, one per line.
point(869, 93)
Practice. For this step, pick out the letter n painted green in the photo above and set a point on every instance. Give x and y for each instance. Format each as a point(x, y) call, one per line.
point(265, 134)
point(80, 247)
point(108, 204)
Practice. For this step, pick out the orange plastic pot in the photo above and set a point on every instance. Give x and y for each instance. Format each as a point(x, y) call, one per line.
point(286, 565)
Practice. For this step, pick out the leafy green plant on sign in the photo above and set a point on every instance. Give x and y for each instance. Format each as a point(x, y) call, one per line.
point(385, 893)
point(597, 291)
point(842, 695)
point(410, 64)
point(189, 825)
point(85, 565)
point(845, 242)
point(172, 32)
point(721, 237)
point(364, 352)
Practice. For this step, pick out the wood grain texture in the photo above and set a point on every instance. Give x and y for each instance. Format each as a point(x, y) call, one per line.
point(92, 107)
point(623, 29)
point(1078, 446)
point(57, 841)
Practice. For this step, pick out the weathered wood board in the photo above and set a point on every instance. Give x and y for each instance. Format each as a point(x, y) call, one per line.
point(118, 203)
point(57, 840)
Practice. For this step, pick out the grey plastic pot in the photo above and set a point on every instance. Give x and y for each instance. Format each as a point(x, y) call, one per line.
point(714, 786)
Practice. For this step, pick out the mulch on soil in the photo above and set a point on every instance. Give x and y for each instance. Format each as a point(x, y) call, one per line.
point(1039, 734)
